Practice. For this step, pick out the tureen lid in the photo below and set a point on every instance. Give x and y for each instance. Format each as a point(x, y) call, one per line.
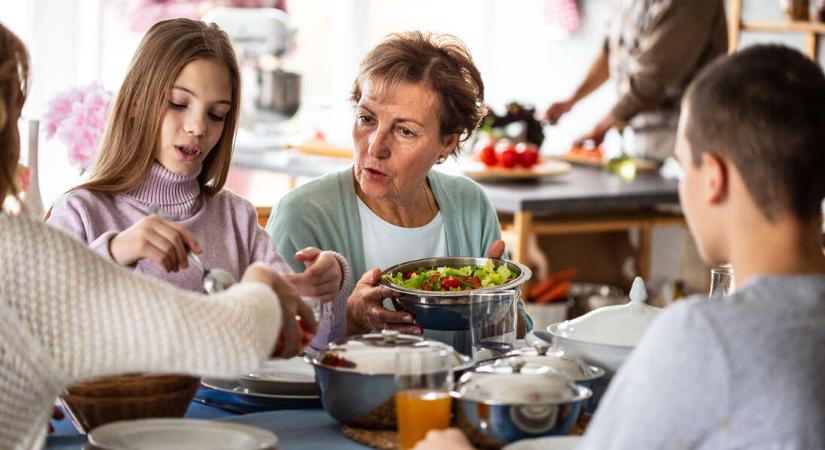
point(375, 353)
point(519, 389)
point(621, 325)
point(530, 360)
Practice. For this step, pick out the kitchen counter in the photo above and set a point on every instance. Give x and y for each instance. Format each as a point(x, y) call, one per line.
point(585, 200)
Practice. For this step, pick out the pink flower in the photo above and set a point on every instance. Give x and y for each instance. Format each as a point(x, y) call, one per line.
point(77, 117)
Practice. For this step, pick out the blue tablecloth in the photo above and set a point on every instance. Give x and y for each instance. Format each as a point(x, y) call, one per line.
point(310, 428)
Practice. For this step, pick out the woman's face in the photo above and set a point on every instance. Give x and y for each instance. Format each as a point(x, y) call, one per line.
point(194, 119)
point(397, 140)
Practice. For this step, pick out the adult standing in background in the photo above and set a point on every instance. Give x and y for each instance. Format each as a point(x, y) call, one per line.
point(653, 49)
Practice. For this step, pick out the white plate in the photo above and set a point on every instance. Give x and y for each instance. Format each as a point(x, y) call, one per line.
point(172, 434)
point(292, 376)
point(546, 443)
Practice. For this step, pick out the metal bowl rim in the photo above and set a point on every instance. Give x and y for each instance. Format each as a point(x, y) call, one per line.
point(524, 275)
point(582, 393)
point(466, 364)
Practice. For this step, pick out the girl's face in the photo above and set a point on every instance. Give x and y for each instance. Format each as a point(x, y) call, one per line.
point(193, 123)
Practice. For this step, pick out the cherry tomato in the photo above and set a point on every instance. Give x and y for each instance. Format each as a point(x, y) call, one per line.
point(488, 156)
point(508, 158)
point(451, 282)
point(528, 154)
point(475, 282)
point(410, 274)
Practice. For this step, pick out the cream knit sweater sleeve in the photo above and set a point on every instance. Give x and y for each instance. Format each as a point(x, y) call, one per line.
point(66, 314)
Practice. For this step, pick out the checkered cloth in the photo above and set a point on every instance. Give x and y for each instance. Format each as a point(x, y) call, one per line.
point(562, 14)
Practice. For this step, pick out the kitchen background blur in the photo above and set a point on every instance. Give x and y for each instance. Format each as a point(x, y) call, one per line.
point(528, 51)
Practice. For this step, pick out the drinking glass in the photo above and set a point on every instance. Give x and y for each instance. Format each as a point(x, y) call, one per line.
point(493, 318)
point(722, 281)
point(424, 377)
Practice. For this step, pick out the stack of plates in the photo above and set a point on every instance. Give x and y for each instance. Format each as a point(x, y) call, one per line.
point(174, 434)
point(278, 383)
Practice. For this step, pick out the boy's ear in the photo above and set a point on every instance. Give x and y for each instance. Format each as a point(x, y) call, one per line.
point(714, 177)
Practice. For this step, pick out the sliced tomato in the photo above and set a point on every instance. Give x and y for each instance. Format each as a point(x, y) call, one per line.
point(451, 282)
point(475, 282)
point(432, 284)
point(410, 274)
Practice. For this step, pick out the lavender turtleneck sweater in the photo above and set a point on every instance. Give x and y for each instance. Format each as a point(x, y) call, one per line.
point(225, 225)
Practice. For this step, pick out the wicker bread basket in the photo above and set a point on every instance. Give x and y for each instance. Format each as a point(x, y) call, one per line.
point(128, 397)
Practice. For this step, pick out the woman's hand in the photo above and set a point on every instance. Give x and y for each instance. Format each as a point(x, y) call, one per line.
point(322, 277)
point(496, 249)
point(365, 308)
point(292, 308)
point(162, 241)
point(451, 438)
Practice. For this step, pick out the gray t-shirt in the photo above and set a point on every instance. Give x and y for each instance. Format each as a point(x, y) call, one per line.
point(745, 371)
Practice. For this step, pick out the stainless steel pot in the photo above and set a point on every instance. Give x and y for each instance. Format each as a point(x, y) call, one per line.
point(449, 310)
point(363, 395)
point(495, 409)
point(279, 92)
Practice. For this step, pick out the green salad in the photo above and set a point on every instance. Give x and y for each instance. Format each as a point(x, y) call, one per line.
point(452, 279)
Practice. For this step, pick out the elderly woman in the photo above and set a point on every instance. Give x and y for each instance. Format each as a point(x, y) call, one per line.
point(417, 98)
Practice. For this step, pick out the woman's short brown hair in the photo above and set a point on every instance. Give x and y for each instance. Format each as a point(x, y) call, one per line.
point(442, 62)
point(14, 74)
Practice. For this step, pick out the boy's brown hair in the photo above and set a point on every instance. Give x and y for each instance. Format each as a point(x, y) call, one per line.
point(763, 108)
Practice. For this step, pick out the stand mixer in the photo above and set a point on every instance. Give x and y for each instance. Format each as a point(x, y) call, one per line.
point(261, 37)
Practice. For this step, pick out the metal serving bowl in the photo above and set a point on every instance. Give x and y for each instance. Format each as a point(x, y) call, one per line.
point(447, 310)
point(363, 396)
point(496, 409)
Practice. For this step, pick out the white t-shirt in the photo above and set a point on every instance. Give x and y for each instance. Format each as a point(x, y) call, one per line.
point(386, 245)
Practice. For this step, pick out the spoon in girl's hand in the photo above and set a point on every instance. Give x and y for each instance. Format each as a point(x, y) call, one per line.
point(214, 280)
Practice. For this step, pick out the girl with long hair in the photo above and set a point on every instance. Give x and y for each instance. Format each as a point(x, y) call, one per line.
point(167, 147)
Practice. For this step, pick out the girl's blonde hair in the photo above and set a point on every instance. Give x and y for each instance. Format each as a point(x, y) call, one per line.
point(127, 150)
point(14, 75)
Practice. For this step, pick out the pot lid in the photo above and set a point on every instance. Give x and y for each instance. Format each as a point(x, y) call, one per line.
point(519, 389)
point(530, 360)
point(620, 325)
point(375, 353)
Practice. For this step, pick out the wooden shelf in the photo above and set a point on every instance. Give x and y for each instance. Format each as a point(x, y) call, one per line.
point(810, 29)
point(784, 27)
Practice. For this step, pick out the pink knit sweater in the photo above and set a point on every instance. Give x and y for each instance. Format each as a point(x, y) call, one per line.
point(225, 225)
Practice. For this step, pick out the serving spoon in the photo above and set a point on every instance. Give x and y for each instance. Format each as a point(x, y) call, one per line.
point(214, 280)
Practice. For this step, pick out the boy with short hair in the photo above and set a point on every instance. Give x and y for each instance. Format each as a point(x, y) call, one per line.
point(747, 370)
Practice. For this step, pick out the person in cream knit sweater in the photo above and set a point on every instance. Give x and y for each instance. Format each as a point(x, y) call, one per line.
point(66, 314)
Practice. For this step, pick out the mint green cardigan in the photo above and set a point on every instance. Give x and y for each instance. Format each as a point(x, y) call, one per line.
point(324, 214)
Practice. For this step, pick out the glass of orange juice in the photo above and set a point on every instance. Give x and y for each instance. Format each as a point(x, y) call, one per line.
point(422, 403)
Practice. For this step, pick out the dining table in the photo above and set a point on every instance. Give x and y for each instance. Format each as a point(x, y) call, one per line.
point(298, 426)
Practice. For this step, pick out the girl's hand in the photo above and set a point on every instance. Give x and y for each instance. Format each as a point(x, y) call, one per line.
point(365, 308)
point(322, 277)
point(451, 438)
point(292, 307)
point(162, 241)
